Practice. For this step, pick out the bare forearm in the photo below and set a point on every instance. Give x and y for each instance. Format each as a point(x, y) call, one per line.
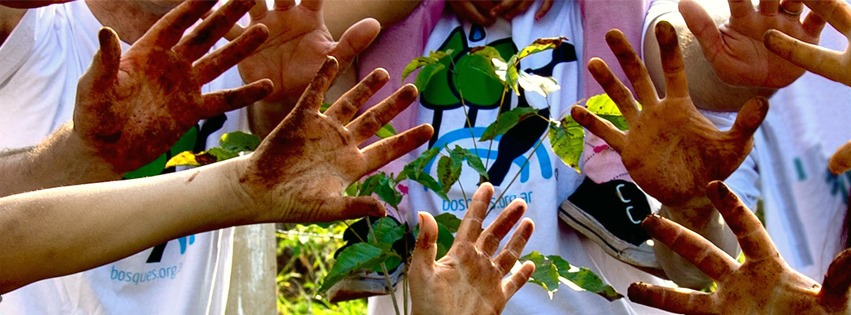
point(60, 160)
point(701, 217)
point(89, 225)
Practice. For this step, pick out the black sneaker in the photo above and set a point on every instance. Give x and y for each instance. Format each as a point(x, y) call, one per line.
point(610, 214)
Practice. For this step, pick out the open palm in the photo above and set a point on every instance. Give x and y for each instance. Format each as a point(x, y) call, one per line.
point(670, 150)
point(302, 168)
point(132, 108)
point(735, 49)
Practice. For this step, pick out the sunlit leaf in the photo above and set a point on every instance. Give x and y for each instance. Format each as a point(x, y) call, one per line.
point(386, 131)
point(506, 121)
point(449, 221)
point(546, 273)
point(605, 107)
point(185, 158)
point(239, 141)
point(222, 154)
point(488, 52)
point(539, 45)
point(538, 84)
point(584, 279)
point(474, 162)
point(426, 74)
point(419, 62)
point(358, 256)
point(567, 138)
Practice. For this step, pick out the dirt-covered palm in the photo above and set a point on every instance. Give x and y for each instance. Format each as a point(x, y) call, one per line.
point(735, 48)
point(670, 149)
point(764, 284)
point(132, 108)
point(469, 279)
point(297, 46)
point(299, 172)
point(831, 64)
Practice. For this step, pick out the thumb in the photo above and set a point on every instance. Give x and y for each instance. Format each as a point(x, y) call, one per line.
point(426, 249)
point(840, 161)
point(355, 40)
point(104, 68)
point(750, 117)
point(700, 23)
point(837, 282)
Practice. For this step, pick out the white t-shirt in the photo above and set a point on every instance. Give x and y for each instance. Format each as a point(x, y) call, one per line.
point(804, 203)
point(40, 64)
point(546, 181)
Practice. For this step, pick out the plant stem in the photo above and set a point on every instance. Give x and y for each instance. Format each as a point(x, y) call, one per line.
point(387, 284)
point(498, 113)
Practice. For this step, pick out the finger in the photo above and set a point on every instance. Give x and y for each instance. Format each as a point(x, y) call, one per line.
point(354, 41)
point(837, 282)
point(518, 9)
point(382, 152)
point(837, 13)
point(691, 246)
point(170, 28)
point(753, 239)
point(347, 106)
point(840, 161)
point(499, 8)
point(546, 5)
point(471, 225)
point(514, 247)
point(214, 64)
point(312, 97)
point(825, 62)
point(313, 5)
point(220, 102)
point(616, 90)
point(633, 67)
point(749, 118)
point(283, 5)
point(104, 67)
point(769, 7)
point(518, 279)
point(489, 241)
point(425, 250)
point(675, 300)
point(602, 128)
point(741, 8)
point(366, 125)
point(792, 7)
point(344, 208)
point(703, 27)
point(813, 24)
point(470, 12)
point(199, 41)
point(676, 84)
point(258, 11)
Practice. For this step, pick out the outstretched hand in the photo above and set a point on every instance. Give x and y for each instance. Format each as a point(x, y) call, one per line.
point(299, 172)
point(670, 149)
point(485, 12)
point(764, 284)
point(132, 108)
point(831, 64)
point(297, 46)
point(735, 48)
point(468, 279)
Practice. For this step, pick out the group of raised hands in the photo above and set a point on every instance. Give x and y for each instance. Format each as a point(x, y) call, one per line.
point(694, 153)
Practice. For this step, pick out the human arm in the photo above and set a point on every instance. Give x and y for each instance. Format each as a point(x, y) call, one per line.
point(725, 59)
point(469, 279)
point(297, 174)
point(132, 108)
point(670, 149)
point(340, 15)
point(763, 284)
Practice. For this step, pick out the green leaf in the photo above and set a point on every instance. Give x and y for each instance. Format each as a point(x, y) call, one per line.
point(414, 172)
point(419, 62)
point(488, 52)
point(185, 158)
point(507, 73)
point(358, 256)
point(567, 138)
point(386, 231)
point(539, 45)
point(584, 279)
point(386, 131)
point(538, 84)
point(448, 172)
point(546, 273)
point(506, 121)
point(239, 141)
point(386, 191)
point(222, 154)
point(425, 75)
point(605, 107)
point(448, 221)
point(444, 241)
point(474, 162)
